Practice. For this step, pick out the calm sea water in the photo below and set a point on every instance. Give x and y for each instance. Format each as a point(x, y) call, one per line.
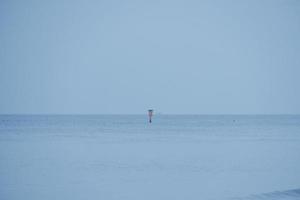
point(125, 157)
point(172, 126)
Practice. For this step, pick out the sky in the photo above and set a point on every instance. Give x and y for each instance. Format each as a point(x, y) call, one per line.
point(124, 57)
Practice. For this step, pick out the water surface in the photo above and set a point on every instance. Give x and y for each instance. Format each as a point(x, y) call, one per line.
point(125, 157)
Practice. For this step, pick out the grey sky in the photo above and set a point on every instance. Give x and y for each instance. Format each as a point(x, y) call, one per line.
point(202, 57)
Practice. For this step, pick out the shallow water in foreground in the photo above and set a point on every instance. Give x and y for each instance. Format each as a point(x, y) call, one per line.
point(123, 157)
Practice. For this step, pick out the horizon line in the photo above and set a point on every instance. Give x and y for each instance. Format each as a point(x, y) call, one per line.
point(147, 113)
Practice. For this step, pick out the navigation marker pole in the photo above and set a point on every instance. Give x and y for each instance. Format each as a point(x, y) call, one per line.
point(150, 113)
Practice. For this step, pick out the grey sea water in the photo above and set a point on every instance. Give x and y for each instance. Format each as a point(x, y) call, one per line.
point(125, 157)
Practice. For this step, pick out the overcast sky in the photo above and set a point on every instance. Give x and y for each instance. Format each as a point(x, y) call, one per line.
point(200, 57)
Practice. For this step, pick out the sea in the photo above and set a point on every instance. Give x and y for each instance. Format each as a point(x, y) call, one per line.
point(124, 157)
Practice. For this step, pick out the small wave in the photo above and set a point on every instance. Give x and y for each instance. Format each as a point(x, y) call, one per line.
point(277, 195)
